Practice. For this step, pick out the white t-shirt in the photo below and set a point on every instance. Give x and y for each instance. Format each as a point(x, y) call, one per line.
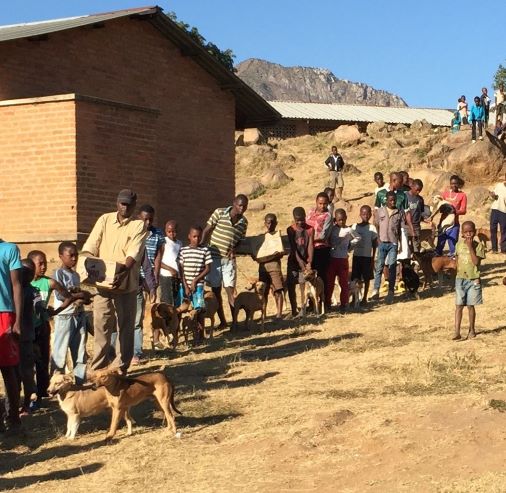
point(368, 235)
point(500, 203)
point(170, 256)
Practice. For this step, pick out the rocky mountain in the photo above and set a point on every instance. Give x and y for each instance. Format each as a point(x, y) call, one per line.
point(309, 85)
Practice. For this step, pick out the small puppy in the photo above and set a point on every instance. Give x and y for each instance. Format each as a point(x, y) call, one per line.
point(315, 292)
point(79, 403)
point(356, 293)
point(124, 392)
point(250, 301)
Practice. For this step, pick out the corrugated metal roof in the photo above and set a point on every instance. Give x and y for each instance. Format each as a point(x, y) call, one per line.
point(30, 29)
point(361, 113)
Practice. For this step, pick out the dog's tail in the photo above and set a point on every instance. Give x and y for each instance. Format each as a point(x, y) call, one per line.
point(172, 404)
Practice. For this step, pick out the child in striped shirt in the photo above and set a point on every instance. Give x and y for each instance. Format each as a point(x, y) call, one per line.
point(194, 265)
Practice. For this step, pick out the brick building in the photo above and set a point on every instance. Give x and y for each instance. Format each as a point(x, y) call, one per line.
point(93, 104)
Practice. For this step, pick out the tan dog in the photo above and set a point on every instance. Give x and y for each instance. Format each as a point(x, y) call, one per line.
point(190, 325)
point(166, 318)
point(356, 293)
point(125, 392)
point(211, 310)
point(424, 260)
point(79, 403)
point(444, 264)
point(315, 291)
point(250, 301)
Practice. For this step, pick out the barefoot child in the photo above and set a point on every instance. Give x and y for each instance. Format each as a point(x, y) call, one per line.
point(341, 239)
point(469, 254)
point(194, 265)
point(362, 267)
point(300, 237)
point(269, 270)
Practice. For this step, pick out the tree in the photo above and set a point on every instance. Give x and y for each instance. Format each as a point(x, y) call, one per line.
point(226, 57)
point(500, 76)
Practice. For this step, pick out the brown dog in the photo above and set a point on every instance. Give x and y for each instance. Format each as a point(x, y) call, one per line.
point(315, 291)
point(125, 392)
point(424, 260)
point(210, 312)
point(250, 301)
point(166, 318)
point(79, 403)
point(442, 265)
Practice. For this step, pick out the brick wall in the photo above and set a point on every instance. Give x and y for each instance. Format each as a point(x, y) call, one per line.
point(181, 158)
point(37, 160)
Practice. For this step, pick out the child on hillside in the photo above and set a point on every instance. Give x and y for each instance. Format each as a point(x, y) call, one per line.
point(380, 183)
point(269, 270)
point(342, 237)
point(462, 109)
point(455, 122)
point(469, 254)
point(45, 285)
point(388, 222)
point(364, 252)
point(417, 208)
point(194, 265)
point(477, 118)
point(69, 322)
point(320, 220)
point(301, 239)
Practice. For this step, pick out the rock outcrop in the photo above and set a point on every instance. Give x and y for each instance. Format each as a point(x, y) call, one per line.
point(309, 85)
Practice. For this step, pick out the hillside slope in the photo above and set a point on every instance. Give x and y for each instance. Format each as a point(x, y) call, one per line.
point(310, 85)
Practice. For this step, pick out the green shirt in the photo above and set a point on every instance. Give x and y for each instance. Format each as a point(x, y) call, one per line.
point(43, 285)
point(401, 199)
point(465, 267)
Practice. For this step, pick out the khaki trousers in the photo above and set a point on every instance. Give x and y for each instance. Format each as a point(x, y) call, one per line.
point(114, 311)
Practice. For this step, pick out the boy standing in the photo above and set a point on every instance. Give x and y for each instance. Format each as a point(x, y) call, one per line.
point(477, 117)
point(194, 265)
point(469, 254)
point(11, 311)
point(416, 206)
point(388, 222)
point(70, 322)
point(362, 267)
point(269, 271)
point(169, 273)
point(301, 238)
point(380, 183)
point(341, 237)
point(335, 165)
point(331, 195)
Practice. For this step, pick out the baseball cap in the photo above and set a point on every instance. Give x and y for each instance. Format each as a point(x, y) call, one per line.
point(126, 196)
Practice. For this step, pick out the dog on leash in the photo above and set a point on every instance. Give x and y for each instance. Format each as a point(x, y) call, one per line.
point(124, 392)
point(78, 403)
point(315, 292)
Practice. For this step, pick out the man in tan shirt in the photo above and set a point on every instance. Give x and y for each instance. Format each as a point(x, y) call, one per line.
point(118, 237)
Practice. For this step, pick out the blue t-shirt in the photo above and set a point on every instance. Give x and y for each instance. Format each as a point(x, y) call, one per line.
point(10, 260)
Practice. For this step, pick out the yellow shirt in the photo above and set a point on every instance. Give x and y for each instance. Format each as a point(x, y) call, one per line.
point(113, 240)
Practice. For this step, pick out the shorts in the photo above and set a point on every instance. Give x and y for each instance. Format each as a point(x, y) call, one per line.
point(169, 290)
point(271, 276)
point(336, 179)
point(362, 268)
point(468, 292)
point(223, 272)
point(196, 298)
point(9, 348)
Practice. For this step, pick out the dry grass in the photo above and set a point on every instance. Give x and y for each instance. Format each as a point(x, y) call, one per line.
point(377, 401)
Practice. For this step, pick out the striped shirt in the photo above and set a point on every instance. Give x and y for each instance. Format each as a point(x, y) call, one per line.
point(225, 236)
point(154, 241)
point(193, 261)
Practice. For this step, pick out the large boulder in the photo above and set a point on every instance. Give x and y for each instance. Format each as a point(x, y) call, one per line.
point(253, 160)
point(275, 177)
point(477, 197)
point(454, 140)
point(253, 136)
point(480, 161)
point(347, 135)
point(377, 130)
point(250, 187)
point(421, 126)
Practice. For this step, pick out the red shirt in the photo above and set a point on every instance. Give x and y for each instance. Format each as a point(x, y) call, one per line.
point(321, 222)
point(458, 200)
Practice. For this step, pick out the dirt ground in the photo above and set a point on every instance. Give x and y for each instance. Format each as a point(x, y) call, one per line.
point(377, 401)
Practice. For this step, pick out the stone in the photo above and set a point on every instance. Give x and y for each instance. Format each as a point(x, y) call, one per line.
point(287, 160)
point(377, 130)
point(477, 196)
point(347, 135)
point(249, 187)
point(253, 136)
point(274, 177)
point(256, 205)
point(239, 138)
point(481, 161)
point(351, 169)
point(463, 136)
point(421, 126)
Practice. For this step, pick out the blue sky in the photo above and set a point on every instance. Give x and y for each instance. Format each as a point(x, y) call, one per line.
point(428, 52)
